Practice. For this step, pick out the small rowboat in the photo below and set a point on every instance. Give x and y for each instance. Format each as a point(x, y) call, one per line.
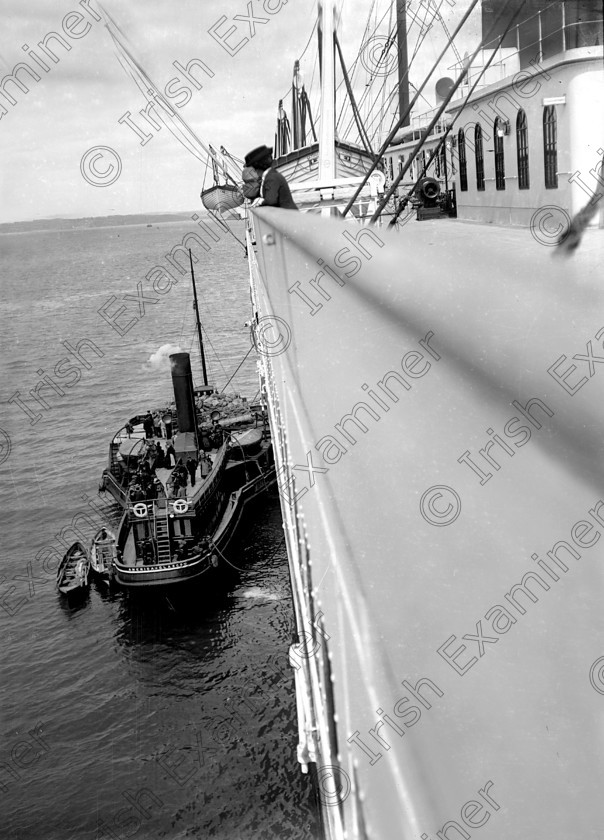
point(72, 574)
point(222, 197)
point(103, 551)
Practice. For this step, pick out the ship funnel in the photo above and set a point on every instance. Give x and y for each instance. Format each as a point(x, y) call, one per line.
point(182, 382)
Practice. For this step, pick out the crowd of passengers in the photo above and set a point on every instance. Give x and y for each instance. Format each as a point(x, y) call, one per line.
point(155, 427)
point(145, 485)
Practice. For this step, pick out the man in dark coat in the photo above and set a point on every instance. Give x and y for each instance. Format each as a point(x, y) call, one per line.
point(191, 467)
point(170, 453)
point(275, 191)
point(148, 424)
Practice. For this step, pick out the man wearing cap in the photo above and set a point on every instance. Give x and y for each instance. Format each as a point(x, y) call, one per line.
point(274, 189)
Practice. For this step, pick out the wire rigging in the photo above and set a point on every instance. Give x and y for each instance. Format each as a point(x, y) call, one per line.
point(238, 368)
point(408, 110)
point(364, 43)
point(426, 132)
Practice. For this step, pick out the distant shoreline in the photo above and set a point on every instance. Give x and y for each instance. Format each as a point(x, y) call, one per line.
point(93, 223)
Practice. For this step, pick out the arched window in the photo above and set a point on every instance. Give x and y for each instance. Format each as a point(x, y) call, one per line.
point(550, 147)
point(443, 161)
point(463, 161)
point(522, 151)
point(499, 156)
point(479, 156)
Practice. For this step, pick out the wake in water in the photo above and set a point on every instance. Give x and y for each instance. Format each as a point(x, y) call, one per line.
point(258, 593)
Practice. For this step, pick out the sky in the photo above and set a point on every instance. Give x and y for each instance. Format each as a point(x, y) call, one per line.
point(63, 151)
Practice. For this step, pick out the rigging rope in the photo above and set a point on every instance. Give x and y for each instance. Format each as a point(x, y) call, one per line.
point(380, 114)
point(237, 368)
point(359, 122)
point(364, 42)
point(405, 200)
point(409, 109)
point(218, 359)
point(218, 217)
point(301, 56)
point(165, 114)
point(426, 132)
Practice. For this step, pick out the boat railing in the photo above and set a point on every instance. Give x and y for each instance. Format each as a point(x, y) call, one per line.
point(118, 438)
point(116, 487)
point(537, 38)
point(169, 566)
point(113, 460)
point(119, 471)
point(421, 121)
point(208, 486)
point(148, 508)
point(123, 433)
point(338, 190)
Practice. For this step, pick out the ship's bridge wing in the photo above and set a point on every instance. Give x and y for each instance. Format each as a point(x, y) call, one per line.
point(437, 399)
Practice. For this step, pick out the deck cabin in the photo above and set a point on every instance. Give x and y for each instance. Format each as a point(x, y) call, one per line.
point(526, 128)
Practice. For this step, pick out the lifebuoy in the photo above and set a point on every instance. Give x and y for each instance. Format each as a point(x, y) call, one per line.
point(181, 506)
point(140, 510)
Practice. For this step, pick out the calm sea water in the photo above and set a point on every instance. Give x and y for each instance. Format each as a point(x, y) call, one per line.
point(171, 716)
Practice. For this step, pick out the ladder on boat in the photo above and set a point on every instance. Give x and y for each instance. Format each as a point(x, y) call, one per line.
point(162, 534)
point(114, 467)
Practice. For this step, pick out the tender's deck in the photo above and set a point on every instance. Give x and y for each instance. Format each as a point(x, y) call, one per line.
point(201, 473)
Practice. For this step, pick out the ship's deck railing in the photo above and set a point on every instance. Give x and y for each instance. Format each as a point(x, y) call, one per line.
point(118, 488)
point(421, 121)
point(535, 42)
point(313, 685)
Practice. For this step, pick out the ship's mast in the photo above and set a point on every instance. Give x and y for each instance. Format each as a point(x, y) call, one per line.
point(327, 150)
point(199, 335)
point(403, 61)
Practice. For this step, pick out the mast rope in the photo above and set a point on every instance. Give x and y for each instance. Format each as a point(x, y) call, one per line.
point(237, 368)
point(379, 115)
point(380, 112)
point(217, 357)
point(405, 200)
point(357, 116)
point(409, 109)
point(218, 217)
point(426, 132)
point(364, 41)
